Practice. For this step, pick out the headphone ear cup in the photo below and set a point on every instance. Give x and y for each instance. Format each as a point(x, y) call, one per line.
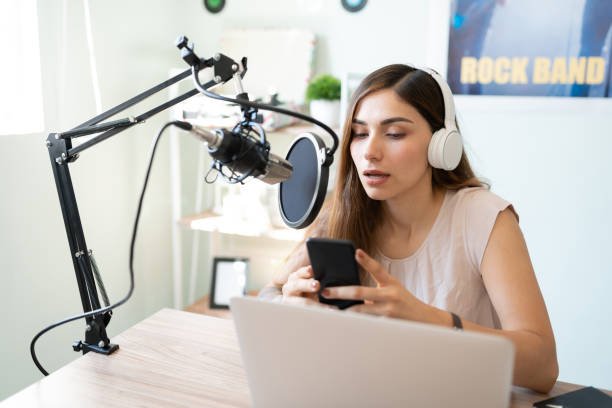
point(434, 153)
point(445, 149)
point(452, 150)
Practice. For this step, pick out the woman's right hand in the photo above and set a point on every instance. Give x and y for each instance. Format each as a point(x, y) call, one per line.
point(302, 284)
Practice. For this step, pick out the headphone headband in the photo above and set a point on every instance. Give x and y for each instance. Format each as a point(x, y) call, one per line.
point(449, 103)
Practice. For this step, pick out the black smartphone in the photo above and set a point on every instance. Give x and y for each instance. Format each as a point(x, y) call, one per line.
point(333, 263)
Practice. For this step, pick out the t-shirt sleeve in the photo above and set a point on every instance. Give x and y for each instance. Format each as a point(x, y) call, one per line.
point(481, 210)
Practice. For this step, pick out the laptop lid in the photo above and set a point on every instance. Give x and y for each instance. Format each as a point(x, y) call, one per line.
point(297, 356)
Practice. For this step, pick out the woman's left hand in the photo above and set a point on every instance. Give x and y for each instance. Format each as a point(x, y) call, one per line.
point(389, 298)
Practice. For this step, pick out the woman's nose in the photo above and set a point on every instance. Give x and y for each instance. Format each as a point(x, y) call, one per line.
point(373, 148)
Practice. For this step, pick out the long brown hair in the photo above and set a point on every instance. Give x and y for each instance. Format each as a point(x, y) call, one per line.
point(351, 214)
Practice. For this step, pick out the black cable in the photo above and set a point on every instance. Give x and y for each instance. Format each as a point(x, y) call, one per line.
point(243, 102)
point(132, 244)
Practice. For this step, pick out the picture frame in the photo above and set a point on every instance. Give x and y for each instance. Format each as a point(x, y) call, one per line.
point(229, 279)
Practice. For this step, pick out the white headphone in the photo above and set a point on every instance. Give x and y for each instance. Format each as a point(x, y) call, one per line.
point(446, 146)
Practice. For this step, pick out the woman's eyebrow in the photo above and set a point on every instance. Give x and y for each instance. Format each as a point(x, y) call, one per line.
point(384, 122)
point(395, 119)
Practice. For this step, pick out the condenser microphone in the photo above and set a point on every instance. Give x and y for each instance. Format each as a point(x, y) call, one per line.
point(301, 195)
point(303, 175)
point(242, 154)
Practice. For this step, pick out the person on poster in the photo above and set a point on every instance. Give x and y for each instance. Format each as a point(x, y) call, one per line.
point(470, 23)
point(596, 23)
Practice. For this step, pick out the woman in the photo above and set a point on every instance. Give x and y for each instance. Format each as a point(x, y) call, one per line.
point(436, 245)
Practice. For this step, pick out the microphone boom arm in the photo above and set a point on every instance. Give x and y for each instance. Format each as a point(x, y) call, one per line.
point(62, 153)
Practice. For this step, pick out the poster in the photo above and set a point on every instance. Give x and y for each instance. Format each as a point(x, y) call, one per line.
point(530, 48)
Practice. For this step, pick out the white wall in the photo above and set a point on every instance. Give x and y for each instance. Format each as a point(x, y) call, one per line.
point(550, 163)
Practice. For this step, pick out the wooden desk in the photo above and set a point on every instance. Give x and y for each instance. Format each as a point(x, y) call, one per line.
point(171, 359)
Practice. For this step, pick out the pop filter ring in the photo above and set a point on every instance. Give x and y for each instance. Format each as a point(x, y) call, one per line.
point(314, 203)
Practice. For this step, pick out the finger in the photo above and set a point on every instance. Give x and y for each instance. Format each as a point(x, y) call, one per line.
point(304, 272)
point(380, 275)
point(356, 293)
point(298, 287)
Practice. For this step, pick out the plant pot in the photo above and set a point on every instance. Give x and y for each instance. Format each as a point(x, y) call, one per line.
point(326, 111)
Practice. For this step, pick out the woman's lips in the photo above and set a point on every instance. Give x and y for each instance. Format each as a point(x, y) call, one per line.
point(375, 177)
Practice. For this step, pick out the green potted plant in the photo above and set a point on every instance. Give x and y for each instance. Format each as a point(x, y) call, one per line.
point(323, 96)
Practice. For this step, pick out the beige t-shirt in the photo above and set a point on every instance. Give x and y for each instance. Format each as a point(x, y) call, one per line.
point(445, 271)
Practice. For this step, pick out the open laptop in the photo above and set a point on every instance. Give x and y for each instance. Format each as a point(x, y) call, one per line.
point(299, 356)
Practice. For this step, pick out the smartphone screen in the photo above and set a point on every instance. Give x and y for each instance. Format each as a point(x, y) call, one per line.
point(333, 263)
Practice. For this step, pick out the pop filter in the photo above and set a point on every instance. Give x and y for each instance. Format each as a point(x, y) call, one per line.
point(301, 196)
